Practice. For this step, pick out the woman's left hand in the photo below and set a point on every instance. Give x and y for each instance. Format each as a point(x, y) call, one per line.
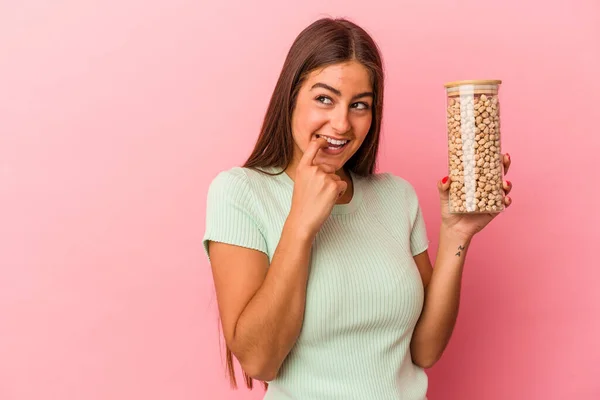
point(467, 225)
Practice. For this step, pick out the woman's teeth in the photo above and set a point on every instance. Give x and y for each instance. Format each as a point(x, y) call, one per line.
point(335, 143)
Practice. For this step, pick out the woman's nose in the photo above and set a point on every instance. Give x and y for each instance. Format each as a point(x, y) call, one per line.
point(340, 122)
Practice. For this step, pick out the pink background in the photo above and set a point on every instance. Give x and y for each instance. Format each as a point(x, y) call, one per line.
point(115, 116)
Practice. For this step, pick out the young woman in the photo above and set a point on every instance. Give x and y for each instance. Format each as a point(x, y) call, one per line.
point(323, 280)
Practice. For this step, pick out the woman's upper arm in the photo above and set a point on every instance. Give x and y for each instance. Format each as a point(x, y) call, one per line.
point(236, 245)
point(424, 265)
point(238, 273)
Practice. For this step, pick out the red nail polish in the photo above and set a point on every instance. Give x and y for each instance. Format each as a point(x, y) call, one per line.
point(508, 183)
point(445, 179)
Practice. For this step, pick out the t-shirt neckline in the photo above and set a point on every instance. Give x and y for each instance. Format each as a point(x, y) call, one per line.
point(338, 209)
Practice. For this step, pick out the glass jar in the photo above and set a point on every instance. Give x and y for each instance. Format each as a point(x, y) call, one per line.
point(474, 147)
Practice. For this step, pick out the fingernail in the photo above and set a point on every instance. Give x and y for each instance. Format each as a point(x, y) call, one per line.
point(508, 183)
point(508, 155)
point(445, 179)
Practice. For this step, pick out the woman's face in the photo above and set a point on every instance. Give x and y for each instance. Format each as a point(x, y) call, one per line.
point(335, 103)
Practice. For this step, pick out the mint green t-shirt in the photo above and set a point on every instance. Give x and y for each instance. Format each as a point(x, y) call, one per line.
point(364, 292)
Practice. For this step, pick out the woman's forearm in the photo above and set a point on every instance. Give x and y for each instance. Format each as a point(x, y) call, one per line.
point(270, 324)
point(442, 296)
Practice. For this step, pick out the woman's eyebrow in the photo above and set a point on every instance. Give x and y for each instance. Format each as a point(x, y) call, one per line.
point(326, 86)
point(364, 94)
point(338, 93)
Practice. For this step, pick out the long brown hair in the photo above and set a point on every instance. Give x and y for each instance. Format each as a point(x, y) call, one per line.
point(325, 42)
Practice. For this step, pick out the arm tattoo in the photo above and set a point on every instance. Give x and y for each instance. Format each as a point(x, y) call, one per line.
point(460, 248)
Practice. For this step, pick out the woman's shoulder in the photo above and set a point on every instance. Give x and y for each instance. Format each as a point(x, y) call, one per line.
point(238, 178)
point(226, 179)
point(389, 190)
point(238, 175)
point(389, 181)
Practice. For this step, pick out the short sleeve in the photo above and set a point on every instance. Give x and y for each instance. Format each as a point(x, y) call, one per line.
point(230, 213)
point(414, 223)
point(419, 241)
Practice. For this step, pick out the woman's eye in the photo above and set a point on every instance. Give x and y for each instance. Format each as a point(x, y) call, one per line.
point(324, 100)
point(361, 106)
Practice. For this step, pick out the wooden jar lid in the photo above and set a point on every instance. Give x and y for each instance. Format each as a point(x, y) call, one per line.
point(472, 87)
point(493, 82)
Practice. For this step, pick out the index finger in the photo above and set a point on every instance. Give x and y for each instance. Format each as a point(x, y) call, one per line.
point(506, 162)
point(312, 149)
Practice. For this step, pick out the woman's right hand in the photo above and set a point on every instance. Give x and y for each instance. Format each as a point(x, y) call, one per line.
point(316, 190)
